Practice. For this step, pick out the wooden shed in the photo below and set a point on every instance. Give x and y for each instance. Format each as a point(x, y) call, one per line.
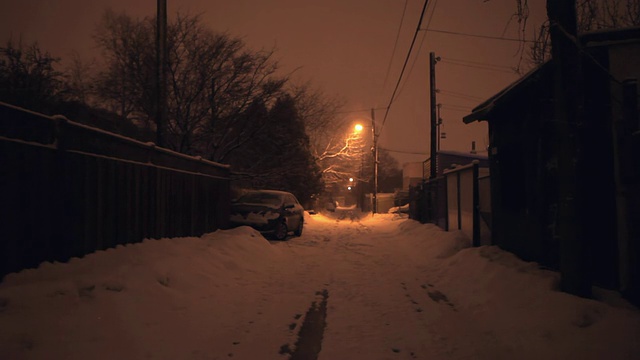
point(524, 169)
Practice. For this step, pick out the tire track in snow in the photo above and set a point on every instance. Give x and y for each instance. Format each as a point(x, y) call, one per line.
point(311, 332)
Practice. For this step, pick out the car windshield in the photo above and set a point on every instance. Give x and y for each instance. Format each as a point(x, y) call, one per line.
point(260, 198)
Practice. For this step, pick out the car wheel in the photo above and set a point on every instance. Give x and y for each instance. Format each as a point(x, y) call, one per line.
point(281, 231)
point(298, 231)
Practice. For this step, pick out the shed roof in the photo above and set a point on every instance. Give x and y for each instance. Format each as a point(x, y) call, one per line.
point(463, 154)
point(483, 111)
point(589, 39)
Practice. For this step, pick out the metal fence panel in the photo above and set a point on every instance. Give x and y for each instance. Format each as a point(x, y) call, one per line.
point(465, 184)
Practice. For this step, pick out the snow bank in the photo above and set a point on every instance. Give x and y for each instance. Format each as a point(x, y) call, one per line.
point(522, 302)
point(395, 289)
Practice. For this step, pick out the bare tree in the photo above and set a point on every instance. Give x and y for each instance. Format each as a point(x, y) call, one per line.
point(28, 76)
point(318, 110)
point(79, 81)
point(540, 50)
point(344, 156)
point(338, 149)
point(246, 77)
point(213, 80)
point(126, 84)
point(592, 15)
point(608, 14)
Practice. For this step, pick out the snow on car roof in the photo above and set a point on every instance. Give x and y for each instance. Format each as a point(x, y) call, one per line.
point(274, 192)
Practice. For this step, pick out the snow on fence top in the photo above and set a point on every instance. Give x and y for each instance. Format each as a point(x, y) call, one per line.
point(58, 132)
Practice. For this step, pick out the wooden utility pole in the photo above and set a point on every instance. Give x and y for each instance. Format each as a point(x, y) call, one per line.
point(569, 104)
point(161, 73)
point(375, 162)
point(434, 121)
point(438, 124)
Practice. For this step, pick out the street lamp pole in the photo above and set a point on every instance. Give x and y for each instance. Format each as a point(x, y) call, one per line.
point(375, 162)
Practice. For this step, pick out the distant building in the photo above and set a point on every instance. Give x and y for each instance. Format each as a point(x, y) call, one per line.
point(414, 172)
point(447, 159)
point(411, 174)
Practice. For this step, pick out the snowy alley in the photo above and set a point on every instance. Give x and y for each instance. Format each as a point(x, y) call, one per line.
point(381, 287)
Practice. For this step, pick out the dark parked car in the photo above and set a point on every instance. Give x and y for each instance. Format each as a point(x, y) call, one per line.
point(271, 212)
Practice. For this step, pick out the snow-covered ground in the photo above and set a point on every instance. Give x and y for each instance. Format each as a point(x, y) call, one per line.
point(394, 289)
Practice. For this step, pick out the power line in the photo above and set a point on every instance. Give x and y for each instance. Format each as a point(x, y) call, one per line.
point(361, 110)
point(479, 63)
point(403, 152)
point(415, 58)
point(433, 10)
point(477, 67)
point(395, 45)
point(456, 107)
point(404, 66)
point(479, 36)
point(459, 95)
point(458, 110)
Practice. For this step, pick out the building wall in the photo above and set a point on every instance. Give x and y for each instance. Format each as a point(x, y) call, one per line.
point(522, 173)
point(523, 162)
point(446, 159)
point(625, 60)
point(411, 174)
point(623, 63)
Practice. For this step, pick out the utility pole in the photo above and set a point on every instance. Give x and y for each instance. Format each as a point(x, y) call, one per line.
point(438, 125)
point(569, 117)
point(375, 162)
point(161, 73)
point(434, 121)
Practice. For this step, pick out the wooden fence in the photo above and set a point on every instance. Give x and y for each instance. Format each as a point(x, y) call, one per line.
point(67, 190)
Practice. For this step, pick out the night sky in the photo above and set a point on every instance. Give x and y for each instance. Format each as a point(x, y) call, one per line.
point(341, 46)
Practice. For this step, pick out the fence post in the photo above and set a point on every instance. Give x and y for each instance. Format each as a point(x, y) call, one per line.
point(445, 192)
point(62, 250)
point(476, 205)
point(458, 200)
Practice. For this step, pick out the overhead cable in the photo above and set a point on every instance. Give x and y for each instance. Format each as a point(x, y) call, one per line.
point(395, 45)
point(490, 68)
point(404, 66)
point(403, 152)
point(479, 36)
point(360, 110)
point(479, 63)
point(459, 95)
point(415, 58)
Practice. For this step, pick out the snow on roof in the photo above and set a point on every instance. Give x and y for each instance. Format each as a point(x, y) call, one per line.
point(464, 154)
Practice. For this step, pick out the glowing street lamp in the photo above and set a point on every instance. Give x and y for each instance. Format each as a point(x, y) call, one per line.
point(358, 128)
